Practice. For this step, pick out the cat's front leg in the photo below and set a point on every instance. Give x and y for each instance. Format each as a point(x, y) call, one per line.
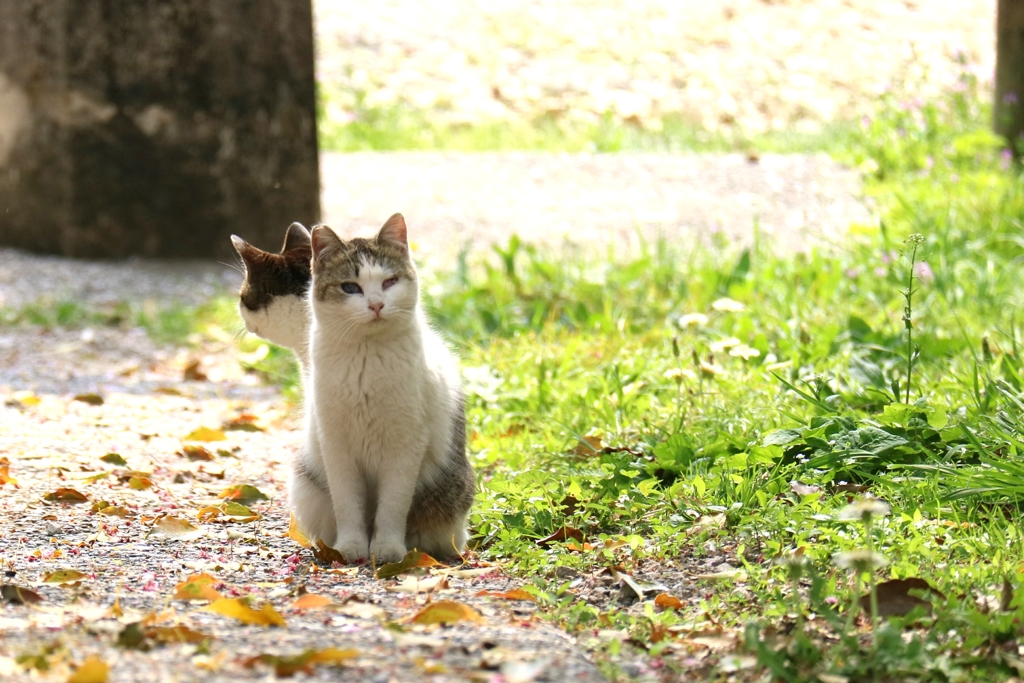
point(348, 495)
point(394, 498)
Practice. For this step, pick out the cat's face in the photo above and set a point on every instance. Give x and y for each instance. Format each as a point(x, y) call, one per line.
point(272, 301)
point(362, 287)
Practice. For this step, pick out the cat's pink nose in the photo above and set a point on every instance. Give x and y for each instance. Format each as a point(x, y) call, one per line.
point(376, 308)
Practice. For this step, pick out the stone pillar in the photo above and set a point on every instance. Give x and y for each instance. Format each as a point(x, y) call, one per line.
point(1008, 112)
point(155, 127)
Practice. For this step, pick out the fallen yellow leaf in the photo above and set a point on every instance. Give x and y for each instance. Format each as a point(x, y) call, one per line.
point(206, 434)
point(175, 634)
point(295, 533)
point(311, 601)
point(177, 528)
point(197, 587)
point(6, 478)
point(446, 612)
point(285, 667)
point(92, 670)
point(139, 483)
point(66, 495)
point(64, 576)
point(514, 594)
point(237, 609)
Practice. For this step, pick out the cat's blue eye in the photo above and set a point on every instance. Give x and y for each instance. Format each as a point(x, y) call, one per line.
point(351, 288)
point(390, 282)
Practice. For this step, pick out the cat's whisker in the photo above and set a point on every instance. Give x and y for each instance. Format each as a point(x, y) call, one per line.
point(234, 266)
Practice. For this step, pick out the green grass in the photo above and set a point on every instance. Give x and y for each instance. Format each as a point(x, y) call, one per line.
point(598, 401)
point(662, 403)
point(402, 127)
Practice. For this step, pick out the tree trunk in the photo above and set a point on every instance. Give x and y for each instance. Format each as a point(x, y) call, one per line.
point(1009, 100)
point(155, 127)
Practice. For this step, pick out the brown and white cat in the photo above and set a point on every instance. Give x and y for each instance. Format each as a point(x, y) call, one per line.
point(443, 484)
point(273, 299)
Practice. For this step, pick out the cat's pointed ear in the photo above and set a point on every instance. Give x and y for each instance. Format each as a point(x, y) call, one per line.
point(297, 237)
point(248, 252)
point(394, 230)
point(326, 244)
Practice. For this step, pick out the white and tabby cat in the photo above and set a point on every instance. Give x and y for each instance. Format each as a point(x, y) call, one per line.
point(395, 428)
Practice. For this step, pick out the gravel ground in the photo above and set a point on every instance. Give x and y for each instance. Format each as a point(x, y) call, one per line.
point(148, 409)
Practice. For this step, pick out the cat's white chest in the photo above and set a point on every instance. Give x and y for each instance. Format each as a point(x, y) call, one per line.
point(369, 397)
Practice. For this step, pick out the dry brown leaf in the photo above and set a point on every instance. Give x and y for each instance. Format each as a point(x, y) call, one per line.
point(562, 534)
point(193, 373)
point(895, 600)
point(588, 447)
point(285, 667)
point(327, 555)
point(175, 634)
point(238, 609)
point(92, 670)
point(446, 612)
point(91, 399)
point(66, 495)
point(18, 595)
point(666, 601)
point(243, 423)
point(514, 594)
point(413, 559)
point(194, 453)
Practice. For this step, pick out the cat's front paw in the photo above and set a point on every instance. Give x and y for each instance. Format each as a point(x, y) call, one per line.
point(352, 549)
point(387, 551)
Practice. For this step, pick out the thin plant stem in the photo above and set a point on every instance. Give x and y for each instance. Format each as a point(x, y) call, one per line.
point(871, 584)
point(908, 310)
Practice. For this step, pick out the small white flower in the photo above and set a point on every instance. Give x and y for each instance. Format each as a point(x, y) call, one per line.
point(745, 352)
point(861, 560)
point(864, 510)
point(723, 344)
point(728, 305)
point(679, 374)
point(710, 369)
point(693, 320)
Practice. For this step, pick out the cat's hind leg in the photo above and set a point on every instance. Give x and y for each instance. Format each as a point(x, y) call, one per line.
point(310, 500)
point(441, 541)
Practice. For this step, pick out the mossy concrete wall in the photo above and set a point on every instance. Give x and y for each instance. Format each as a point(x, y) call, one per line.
point(155, 127)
